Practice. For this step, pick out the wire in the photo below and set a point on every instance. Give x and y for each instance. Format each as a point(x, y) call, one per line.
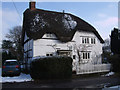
point(16, 9)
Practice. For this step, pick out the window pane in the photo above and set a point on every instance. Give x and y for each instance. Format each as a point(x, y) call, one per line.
point(73, 56)
point(87, 40)
point(82, 40)
point(11, 63)
point(51, 54)
point(47, 54)
point(85, 55)
point(47, 35)
point(91, 41)
point(88, 55)
point(94, 40)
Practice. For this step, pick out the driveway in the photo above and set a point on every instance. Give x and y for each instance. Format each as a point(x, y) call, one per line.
point(82, 82)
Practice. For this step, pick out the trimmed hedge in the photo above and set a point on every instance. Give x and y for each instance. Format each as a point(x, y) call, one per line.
point(51, 68)
point(115, 61)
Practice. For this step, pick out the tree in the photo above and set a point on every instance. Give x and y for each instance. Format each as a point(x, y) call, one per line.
point(106, 45)
point(6, 44)
point(115, 41)
point(106, 51)
point(115, 62)
point(14, 42)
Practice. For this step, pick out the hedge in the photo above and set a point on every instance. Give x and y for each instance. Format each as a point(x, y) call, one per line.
point(115, 61)
point(51, 68)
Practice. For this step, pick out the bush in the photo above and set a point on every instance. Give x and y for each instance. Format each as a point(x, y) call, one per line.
point(115, 61)
point(51, 68)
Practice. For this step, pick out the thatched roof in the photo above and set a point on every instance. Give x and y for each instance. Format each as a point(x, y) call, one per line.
point(64, 25)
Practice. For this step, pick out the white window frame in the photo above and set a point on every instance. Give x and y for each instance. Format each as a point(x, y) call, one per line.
point(49, 35)
point(93, 40)
point(85, 40)
point(49, 54)
point(86, 55)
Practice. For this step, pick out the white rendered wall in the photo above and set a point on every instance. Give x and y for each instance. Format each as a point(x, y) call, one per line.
point(43, 46)
point(96, 49)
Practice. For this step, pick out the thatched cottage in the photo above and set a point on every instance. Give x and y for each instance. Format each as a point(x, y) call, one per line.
point(48, 33)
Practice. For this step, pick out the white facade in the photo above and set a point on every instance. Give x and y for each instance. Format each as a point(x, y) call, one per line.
point(85, 48)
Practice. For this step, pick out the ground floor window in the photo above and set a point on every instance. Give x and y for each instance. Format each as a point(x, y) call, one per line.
point(74, 57)
point(49, 54)
point(86, 55)
point(64, 52)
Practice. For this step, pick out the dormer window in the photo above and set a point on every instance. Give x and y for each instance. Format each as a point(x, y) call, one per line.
point(49, 35)
point(49, 54)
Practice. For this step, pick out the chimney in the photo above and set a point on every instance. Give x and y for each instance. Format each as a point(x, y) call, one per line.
point(32, 5)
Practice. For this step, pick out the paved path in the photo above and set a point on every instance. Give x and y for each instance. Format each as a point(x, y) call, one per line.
point(89, 82)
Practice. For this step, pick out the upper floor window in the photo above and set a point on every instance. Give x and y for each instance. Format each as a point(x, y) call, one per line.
point(49, 35)
point(93, 41)
point(85, 40)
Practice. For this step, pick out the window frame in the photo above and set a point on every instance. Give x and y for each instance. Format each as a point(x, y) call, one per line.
point(49, 35)
point(74, 56)
point(49, 54)
point(93, 40)
point(85, 40)
point(86, 55)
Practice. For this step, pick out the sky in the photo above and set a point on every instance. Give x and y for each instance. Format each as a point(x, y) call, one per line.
point(101, 15)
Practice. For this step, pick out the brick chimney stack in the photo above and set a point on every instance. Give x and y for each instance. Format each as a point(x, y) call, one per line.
point(32, 5)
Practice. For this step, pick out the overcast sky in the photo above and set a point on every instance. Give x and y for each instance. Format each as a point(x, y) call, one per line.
point(102, 15)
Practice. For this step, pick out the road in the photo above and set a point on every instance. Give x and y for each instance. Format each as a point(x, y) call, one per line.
point(85, 82)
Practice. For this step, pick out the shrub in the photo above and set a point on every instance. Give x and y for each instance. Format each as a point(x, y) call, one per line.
point(51, 68)
point(115, 61)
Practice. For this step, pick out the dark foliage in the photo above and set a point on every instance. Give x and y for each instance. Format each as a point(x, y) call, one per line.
point(115, 41)
point(7, 47)
point(115, 61)
point(105, 57)
point(13, 42)
point(6, 56)
point(6, 44)
point(51, 68)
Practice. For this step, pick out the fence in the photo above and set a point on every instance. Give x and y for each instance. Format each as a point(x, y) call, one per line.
point(86, 69)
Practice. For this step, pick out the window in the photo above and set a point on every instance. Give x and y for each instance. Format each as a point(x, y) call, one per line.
point(86, 55)
point(49, 35)
point(93, 41)
point(49, 54)
point(85, 40)
point(82, 40)
point(74, 56)
point(11, 63)
point(83, 55)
